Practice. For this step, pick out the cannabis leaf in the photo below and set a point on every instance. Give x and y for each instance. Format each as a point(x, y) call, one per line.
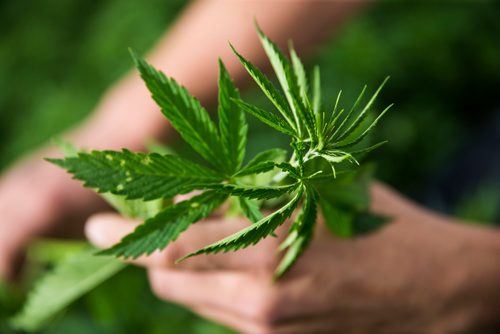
point(137, 175)
point(323, 169)
point(158, 231)
point(232, 123)
point(71, 279)
point(254, 233)
point(184, 112)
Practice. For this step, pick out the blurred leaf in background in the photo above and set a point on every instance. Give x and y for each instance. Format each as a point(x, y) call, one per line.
point(57, 58)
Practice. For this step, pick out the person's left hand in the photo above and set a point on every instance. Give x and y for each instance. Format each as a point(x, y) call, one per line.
point(419, 274)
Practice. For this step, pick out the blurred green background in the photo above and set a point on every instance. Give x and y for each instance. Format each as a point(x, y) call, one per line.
point(57, 58)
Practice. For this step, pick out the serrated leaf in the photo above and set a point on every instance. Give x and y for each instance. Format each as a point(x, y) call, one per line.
point(350, 142)
point(254, 233)
point(137, 175)
point(269, 90)
point(288, 168)
point(316, 79)
point(267, 117)
point(347, 118)
point(184, 112)
point(369, 148)
point(253, 192)
point(301, 233)
point(157, 232)
point(349, 190)
point(298, 68)
point(284, 73)
point(299, 91)
point(232, 122)
point(250, 209)
point(361, 116)
point(262, 162)
point(72, 278)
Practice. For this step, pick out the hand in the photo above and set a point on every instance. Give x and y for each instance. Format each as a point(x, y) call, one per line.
point(37, 198)
point(419, 274)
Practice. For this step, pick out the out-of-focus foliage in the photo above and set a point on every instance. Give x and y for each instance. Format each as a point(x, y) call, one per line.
point(56, 58)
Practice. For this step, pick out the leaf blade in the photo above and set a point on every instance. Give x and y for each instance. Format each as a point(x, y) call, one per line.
point(232, 123)
point(137, 175)
point(184, 112)
point(157, 232)
point(252, 234)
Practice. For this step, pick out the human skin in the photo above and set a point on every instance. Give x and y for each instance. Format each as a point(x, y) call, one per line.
point(37, 198)
point(422, 273)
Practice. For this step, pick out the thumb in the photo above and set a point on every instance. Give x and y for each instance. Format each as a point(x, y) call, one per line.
point(105, 230)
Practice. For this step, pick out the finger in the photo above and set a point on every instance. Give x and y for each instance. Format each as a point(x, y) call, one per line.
point(231, 320)
point(242, 301)
point(105, 230)
point(231, 296)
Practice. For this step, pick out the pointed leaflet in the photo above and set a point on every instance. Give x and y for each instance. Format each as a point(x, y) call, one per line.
point(267, 117)
point(301, 233)
point(299, 94)
point(298, 67)
point(363, 113)
point(316, 90)
point(262, 162)
point(71, 279)
point(349, 114)
point(253, 192)
point(254, 233)
point(250, 209)
point(184, 112)
point(157, 232)
point(232, 123)
point(283, 72)
point(353, 141)
point(268, 88)
point(137, 175)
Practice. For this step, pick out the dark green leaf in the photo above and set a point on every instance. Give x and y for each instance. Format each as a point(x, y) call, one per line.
point(338, 220)
point(253, 192)
point(269, 90)
point(250, 209)
point(157, 232)
point(137, 175)
point(362, 114)
point(254, 233)
point(298, 68)
point(366, 222)
point(232, 123)
point(262, 162)
point(267, 117)
point(347, 118)
point(350, 142)
point(316, 90)
point(70, 279)
point(184, 112)
point(284, 73)
point(301, 233)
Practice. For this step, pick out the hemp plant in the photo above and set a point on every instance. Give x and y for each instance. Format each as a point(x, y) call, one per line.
point(323, 163)
point(322, 172)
